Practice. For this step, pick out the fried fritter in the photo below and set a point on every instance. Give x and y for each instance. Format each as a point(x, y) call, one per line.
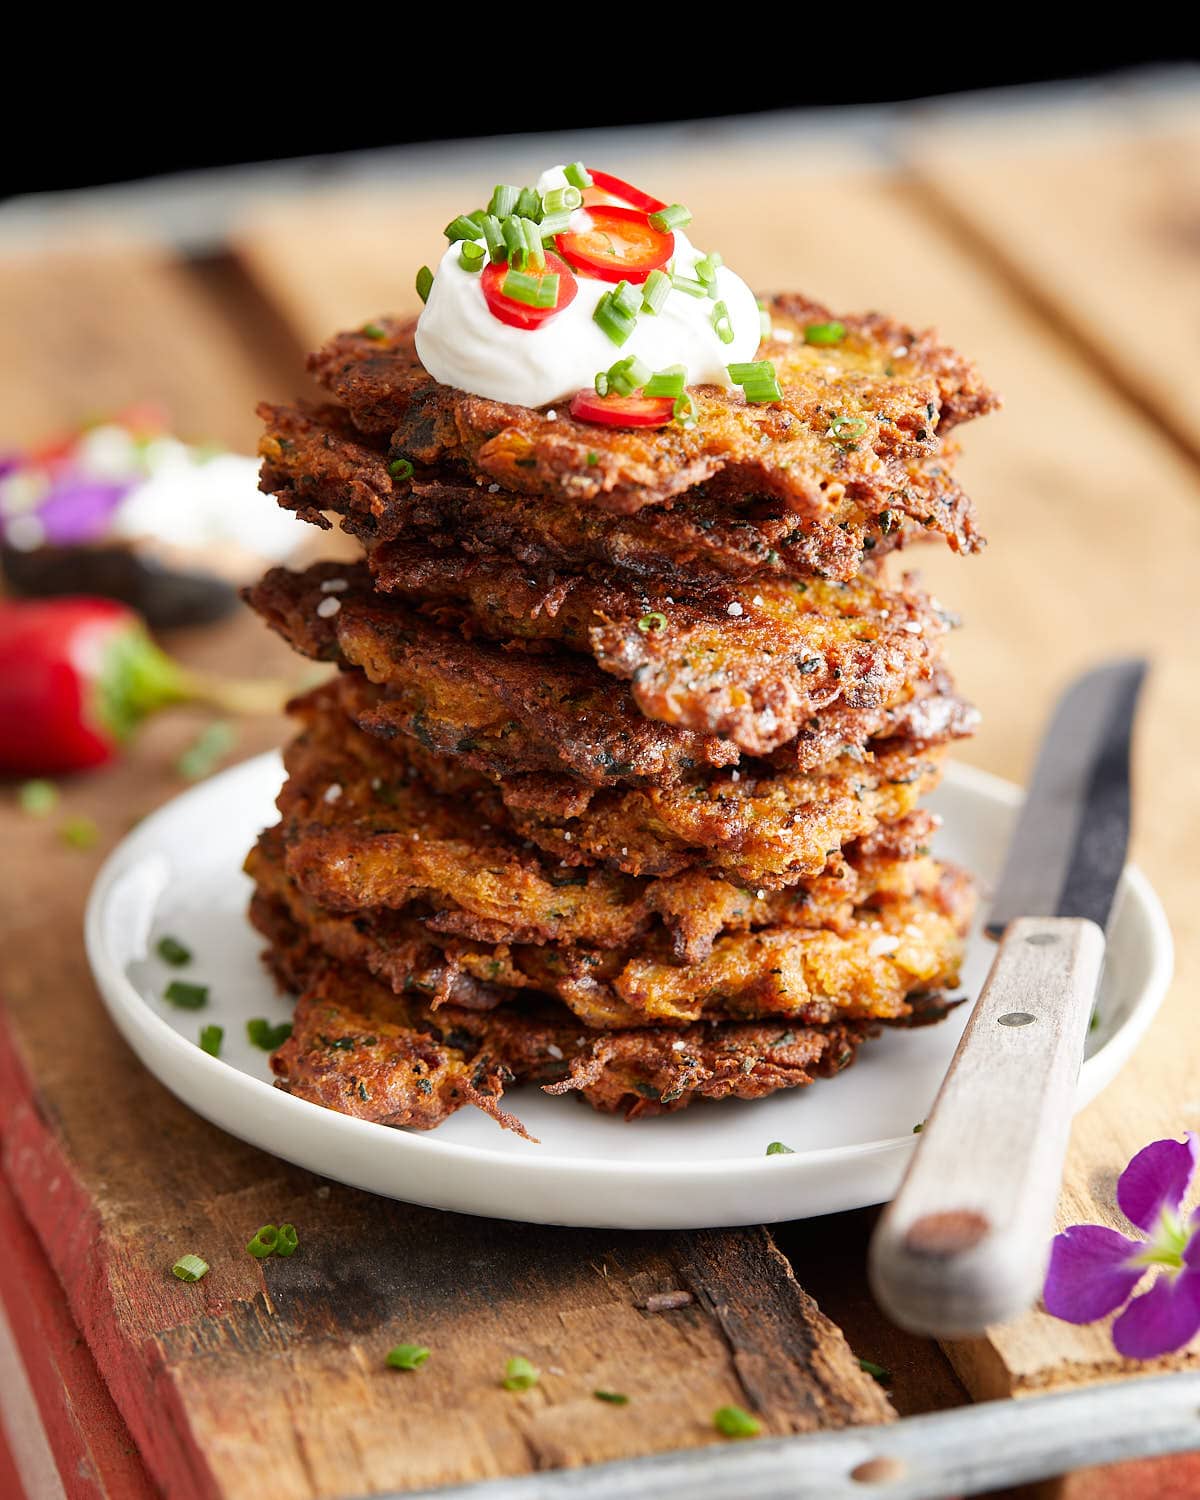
point(315, 461)
point(880, 952)
point(853, 419)
point(358, 1048)
point(533, 707)
point(752, 662)
point(755, 826)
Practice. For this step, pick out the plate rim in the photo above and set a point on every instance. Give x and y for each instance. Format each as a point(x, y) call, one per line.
point(125, 1003)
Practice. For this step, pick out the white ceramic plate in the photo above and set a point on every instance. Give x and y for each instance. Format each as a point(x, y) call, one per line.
point(178, 872)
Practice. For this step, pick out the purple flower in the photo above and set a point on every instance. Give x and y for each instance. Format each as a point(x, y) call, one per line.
point(1095, 1270)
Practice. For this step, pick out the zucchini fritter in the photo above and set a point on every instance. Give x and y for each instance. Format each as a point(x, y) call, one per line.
point(852, 421)
point(315, 461)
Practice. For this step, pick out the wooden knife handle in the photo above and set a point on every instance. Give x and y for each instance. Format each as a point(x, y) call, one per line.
point(965, 1241)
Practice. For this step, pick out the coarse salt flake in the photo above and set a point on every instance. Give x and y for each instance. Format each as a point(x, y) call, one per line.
point(333, 791)
point(335, 585)
point(555, 1051)
point(329, 607)
point(885, 944)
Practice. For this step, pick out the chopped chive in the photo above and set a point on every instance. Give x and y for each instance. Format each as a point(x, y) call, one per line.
point(189, 1268)
point(674, 216)
point(407, 1356)
point(734, 1422)
point(777, 1148)
point(685, 413)
point(424, 283)
point(624, 377)
point(210, 745)
point(472, 255)
point(706, 270)
point(848, 427)
point(577, 174)
point(869, 1367)
point(535, 254)
point(186, 996)
point(613, 315)
point(400, 468)
point(494, 235)
point(824, 333)
point(504, 200)
point(211, 1038)
point(655, 620)
point(553, 224)
point(668, 382)
point(562, 200)
point(262, 1034)
point(264, 1242)
point(38, 798)
point(172, 951)
point(529, 204)
point(514, 239)
point(519, 1374)
point(721, 323)
point(758, 381)
point(614, 1398)
point(689, 284)
point(80, 832)
point(461, 228)
point(373, 331)
point(287, 1242)
point(655, 290)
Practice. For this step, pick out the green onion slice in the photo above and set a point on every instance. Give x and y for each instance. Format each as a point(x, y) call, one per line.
point(529, 204)
point(288, 1239)
point(777, 1148)
point(563, 199)
point(655, 620)
point(472, 255)
point(824, 333)
point(735, 1422)
point(655, 290)
point(262, 1034)
point(493, 234)
point(173, 952)
point(577, 174)
point(211, 1038)
point(614, 1398)
point(264, 1242)
point(674, 216)
point(689, 285)
point(614, 315)
point(424, 283)
point(879, 1372)
point(758, 381)
point(535, 254)
point(514, 239)
point(848, 427)
point(400, 468)
point(38, 798)
point(533, 291)
point(721, 323)
point(685, 413)
point(461, 228)
point(519, 1374)
point(186, 996)
point(668, 382)
point(374, 331)
point(189, 1268)
point(504, 200)
point(407, 1356)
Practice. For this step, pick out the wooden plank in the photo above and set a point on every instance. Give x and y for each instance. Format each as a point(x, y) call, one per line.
point(74, 1417)
point(1101, 225)
point(1093, 521)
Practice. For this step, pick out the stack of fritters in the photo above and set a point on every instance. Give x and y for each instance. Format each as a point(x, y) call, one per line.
point(616, 789)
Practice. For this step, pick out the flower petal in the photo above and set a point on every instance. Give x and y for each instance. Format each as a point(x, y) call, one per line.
point(1157, 1178)
point(1090, 1273)
point(1161, 1320)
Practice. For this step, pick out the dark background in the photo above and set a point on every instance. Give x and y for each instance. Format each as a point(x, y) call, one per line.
point(254, 100)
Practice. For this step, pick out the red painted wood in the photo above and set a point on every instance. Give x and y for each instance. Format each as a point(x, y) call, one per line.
point(96, 1456)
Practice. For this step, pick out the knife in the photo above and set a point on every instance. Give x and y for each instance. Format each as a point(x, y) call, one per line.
point(964, 1243)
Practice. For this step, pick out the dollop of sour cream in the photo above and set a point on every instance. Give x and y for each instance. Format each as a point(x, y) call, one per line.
point(461, 343)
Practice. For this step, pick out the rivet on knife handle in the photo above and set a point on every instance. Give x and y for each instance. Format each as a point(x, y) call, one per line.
point(964, 1243)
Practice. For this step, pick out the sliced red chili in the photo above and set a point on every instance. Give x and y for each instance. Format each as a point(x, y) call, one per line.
point(606, 188)
point(522, 314)
point(623, 411)
point(617, 244)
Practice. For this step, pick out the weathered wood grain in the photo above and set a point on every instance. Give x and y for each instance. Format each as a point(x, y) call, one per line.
point(1100, 223)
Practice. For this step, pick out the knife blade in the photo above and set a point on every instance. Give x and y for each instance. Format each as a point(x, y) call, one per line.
point(964, 1242)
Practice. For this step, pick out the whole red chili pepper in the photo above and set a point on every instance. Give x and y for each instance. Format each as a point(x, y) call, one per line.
point(79, 674)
